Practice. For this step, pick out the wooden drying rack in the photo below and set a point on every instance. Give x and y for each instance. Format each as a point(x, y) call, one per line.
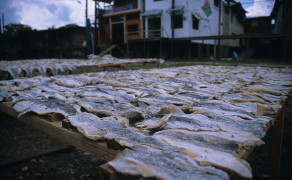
point(84, 68)
point(108, 150)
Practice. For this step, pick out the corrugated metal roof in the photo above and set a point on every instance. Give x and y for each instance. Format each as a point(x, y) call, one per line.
point(156, 12)
point(175, 9)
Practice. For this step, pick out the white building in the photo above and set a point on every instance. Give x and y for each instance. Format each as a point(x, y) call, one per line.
point(194, 18)
point(163, 20)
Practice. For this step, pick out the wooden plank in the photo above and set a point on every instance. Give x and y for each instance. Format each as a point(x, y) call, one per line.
point(111, 174)
point(277, 146)
point(107, 50)
point(54, 129)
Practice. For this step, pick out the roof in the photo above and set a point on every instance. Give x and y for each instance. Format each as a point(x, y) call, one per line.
point(156, 12)
point(237, 7)
point(274, 13)
point(106, 1)
point(175, 9)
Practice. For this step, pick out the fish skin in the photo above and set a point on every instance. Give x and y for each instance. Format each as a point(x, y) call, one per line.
point(210, 157)
point(177, 119)
point(93, 127)
point(4, 94)
point(219, 140)
point(237, 124)
point(45, 106)
point(14, 72)
point(148, 161)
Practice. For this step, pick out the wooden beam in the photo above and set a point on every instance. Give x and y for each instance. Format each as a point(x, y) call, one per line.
point(277, 146)
point(54, 129)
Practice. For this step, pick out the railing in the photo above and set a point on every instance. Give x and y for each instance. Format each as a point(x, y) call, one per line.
point(152, 33)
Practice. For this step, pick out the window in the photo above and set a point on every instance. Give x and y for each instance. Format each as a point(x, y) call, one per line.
point(216, 3)
point(234, 19)
point(178, 21)
point(196, 22)
point(133, 29)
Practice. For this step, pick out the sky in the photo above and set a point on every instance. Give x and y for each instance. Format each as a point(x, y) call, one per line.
point(44, 14)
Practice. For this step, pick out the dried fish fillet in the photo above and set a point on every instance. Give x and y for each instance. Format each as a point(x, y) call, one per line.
point(177, 119)
point(162, 164)
point(220, 141)
point(207, 156)
point(225, 108)
point(237, 124)
point(129, 137)
point(96, 128)
point(45, 106)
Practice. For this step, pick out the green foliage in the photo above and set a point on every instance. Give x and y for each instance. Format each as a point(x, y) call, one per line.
point(52, 27)
point(69, 26)
point(14, 29)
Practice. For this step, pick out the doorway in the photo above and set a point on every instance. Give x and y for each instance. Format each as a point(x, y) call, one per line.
point(118, 33)
point(154, 27)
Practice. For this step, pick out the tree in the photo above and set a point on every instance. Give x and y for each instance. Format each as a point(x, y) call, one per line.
point(69, 26)
point(52, 27)
point(14, 29)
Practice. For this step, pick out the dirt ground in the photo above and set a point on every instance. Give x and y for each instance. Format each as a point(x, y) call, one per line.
point(27, 153)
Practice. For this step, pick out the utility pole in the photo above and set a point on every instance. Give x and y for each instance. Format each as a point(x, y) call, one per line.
point(95, 23)
point(86, 11)
point(3, 39)
point(172, 27)
point(219, 28)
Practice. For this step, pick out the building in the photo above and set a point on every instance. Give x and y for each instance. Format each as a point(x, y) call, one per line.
point(259, 25)
point(282, 14)
point(64, 42)
point(119, 19)
point(135, 20)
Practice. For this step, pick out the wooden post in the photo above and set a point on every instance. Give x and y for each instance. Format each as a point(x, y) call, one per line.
point(190, 51)
point(208, 51)
point(200, 51)
point(277, 146)
point(128, 48)
point(144, 47)
point(185, 46)
point(284, 48)
point(215, 50)
point(219, 49)
point(246, 48)
point(161, 48)
point(171, 49)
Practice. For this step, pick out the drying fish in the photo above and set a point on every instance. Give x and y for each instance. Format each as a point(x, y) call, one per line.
point(192, 122)
point(77, 81)
point(148, 162)
point(207, 156)
point(45, 106)
point(262, 90)
point(96, 128)
point(4, 94)
point(237, 124)
point(14, 72)
point(177, 119)
point(222, 108)
point(129, 137)
point(220, 141)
